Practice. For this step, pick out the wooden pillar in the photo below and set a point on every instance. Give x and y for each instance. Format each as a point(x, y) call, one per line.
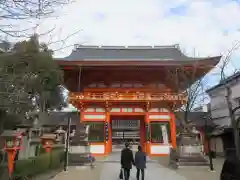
point(173, 131)
point(148, 141)
point(108, 143)
point(143, 134)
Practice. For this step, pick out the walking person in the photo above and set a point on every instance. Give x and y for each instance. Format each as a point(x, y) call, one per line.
point(140, 162)
point(127, 160)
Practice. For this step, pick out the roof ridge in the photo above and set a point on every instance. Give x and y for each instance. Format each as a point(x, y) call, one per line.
point(79, 46)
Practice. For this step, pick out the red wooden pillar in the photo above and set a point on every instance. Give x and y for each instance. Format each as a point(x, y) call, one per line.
point(173, 131)
point(147, 142)
point(108, 143)
point(143, 134)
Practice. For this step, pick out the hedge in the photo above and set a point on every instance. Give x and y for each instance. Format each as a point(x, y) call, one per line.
point(39, 164)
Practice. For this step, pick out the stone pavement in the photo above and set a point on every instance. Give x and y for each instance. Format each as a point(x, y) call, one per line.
point(195, 173)
point(154, 171)
point(80, 173)
point(157, 168)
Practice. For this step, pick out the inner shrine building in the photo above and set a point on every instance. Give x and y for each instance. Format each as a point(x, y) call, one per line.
point(131, 93)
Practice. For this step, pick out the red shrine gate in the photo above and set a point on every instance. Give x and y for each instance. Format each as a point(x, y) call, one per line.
point(157, 146)
point(147, 83)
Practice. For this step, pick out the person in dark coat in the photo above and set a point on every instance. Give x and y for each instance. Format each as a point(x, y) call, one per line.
point(231, 166)
point(140, 162)
point(127, 160)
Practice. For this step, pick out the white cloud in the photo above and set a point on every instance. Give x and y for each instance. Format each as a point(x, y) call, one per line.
point(206, 27)
point(209, 27)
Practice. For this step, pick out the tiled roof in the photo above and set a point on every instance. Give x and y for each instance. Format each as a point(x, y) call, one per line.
point(61, 118)
point(197, 118)
point(55, 119)
point(113, 53)
point(225, 81)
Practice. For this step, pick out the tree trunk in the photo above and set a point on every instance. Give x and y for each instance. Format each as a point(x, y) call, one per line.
point(233, 121)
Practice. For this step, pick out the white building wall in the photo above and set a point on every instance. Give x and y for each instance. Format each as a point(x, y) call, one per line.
point(219, 107)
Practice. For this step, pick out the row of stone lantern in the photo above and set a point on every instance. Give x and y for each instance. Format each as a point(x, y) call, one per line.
point(13, 144)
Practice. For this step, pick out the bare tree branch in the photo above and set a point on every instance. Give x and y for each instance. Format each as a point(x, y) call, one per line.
point(16, 11)
point(228, 91)
point(188, 81)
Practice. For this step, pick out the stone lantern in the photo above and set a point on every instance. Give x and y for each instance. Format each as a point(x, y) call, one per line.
point(48, 140)
point(12, 144)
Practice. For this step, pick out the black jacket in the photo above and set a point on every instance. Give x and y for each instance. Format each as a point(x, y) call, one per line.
point(230, 169)
point(127, 158)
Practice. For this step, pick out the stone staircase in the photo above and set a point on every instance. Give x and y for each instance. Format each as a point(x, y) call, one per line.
point(76, 159)
point(191, 160)
point(79, 150)
point(189, 152)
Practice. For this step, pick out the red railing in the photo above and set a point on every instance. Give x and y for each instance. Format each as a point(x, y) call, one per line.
point(118, 96)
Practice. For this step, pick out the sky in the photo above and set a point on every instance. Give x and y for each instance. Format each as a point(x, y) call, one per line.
point(200, 27)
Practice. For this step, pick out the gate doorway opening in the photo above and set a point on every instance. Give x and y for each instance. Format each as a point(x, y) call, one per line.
point(127, 128)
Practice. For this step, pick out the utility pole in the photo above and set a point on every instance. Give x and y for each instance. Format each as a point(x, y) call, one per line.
point(67, 145)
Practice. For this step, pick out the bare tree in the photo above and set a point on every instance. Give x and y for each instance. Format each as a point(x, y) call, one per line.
point(14, 11)
point(228, 93)
point(190, 82)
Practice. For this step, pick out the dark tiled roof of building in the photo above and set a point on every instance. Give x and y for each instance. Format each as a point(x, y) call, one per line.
point(10, 133)
point(4, 46)
point(54, 119)
point(61, 118)
point(111, 53)
point(225, 81)
point(197, 118)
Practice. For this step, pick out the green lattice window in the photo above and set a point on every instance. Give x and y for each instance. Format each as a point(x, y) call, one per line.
point(160, 132)
point(96, 133)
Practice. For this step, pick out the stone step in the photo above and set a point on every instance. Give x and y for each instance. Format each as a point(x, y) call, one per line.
point(83, 144)
point(82, 158)
point(118, 161)
point(78, 155)
point(192, 160)
point(177, 165)
point(193, 164)
point(76, 163)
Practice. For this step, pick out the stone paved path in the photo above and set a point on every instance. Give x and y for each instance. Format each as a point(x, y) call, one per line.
point(111, 169)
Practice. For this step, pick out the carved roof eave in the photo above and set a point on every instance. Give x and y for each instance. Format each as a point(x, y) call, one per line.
point(206, 62)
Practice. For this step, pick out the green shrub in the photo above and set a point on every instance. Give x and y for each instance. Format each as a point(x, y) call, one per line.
point(39, 164)
point(41, 150)
point(24, 167)
point(56, 159)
